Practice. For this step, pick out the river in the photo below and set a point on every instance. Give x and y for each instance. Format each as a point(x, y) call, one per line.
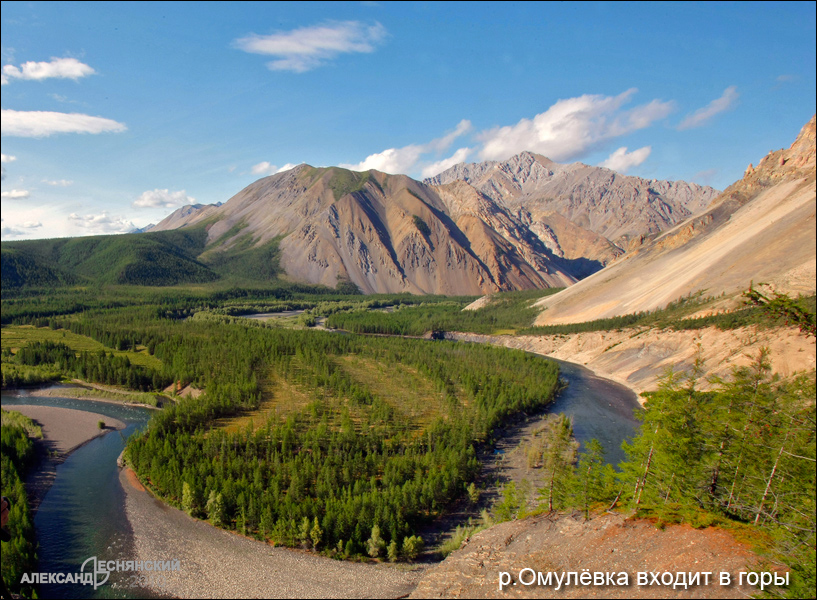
point(83, 514)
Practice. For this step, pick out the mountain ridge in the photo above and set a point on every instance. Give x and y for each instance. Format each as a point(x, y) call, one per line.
point(391, 233)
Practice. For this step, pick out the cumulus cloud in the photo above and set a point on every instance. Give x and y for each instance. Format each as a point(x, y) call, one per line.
point(703, 115)
point(391, 160)
point(288, 167)
point(263, 168)
point(60, 68)
point(307, 48)
point(15, 194)
point(572, 127)
point(622, 161)
point(163, 199)
point(404, 160)
point(102, 223)
point(58, 182)
point(266, 168)
point(44, 123)
point(438, 167)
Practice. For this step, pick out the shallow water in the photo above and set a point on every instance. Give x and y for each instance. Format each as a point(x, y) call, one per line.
point(600, 408)
point(83, 513)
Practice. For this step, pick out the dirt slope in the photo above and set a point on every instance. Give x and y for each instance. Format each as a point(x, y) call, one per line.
point(639, 358)
point(761, 229)
point(608, 543)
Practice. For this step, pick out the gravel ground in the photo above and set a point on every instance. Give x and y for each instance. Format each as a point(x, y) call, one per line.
point(219, 564)
point(64, 430)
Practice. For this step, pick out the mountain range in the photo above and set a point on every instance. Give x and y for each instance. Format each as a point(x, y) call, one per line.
point(527, 222)
point(474, 229)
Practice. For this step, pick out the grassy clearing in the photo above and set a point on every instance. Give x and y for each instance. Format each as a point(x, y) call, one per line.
point(15, 337)
point(279, 399)
point(403, 387)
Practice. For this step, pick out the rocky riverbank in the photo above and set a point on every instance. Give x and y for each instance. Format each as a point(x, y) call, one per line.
point(638, 358)
point(220, 564)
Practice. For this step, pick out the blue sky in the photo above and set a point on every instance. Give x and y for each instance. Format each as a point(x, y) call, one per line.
point(116, 113)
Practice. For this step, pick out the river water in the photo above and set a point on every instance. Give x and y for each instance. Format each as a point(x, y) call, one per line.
point(83, 514)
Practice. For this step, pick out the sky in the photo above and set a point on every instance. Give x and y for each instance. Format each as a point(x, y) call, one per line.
point(114, 114)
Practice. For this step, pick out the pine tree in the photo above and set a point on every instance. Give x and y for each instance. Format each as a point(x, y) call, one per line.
point(315, 534)
point(375, 544)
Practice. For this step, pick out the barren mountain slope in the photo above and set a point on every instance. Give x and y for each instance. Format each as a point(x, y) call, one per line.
point(607, 203)
point(760, 229)
point(384, 233)
point(525, 223)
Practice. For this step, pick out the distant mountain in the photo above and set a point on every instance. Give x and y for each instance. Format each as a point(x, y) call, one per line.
point(761, 229)
point(614, 206)
point(473, 229)
point(519, 224)
point(181, 216)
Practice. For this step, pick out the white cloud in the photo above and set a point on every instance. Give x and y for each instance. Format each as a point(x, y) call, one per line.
point(31, 225)
point(263, 168)
point(403, 160)
point(436, 168)
point(288, 167)
point(391, 160)
point(102, 223)
point(163, 199)
point(572, 127)
point(5, 158)
point(58, 182)
point(43, 123)
point(60, 68)
point(266, 168)
point(15, 194)
point(702, 116)
point(307, 48)
point(622, 161)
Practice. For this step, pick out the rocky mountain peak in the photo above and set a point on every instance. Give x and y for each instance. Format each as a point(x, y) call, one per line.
point(795, 162)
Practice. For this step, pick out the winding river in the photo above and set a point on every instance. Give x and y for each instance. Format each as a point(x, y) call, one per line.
point(83, 514)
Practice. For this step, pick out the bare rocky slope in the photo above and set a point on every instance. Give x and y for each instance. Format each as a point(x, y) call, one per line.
point(614, 207)
point(606, 544)
point(760, 229)
point(390, 233)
